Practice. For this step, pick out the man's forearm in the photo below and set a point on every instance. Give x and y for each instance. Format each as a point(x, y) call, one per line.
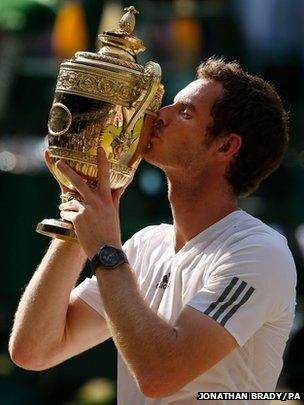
point(141, 336)
point(41, 316)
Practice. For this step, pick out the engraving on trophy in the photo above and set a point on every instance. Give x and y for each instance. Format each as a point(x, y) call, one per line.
point(123, 144)
point(116, 88)
point(60, 119)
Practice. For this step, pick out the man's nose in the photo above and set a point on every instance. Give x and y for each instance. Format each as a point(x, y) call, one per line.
point(163, 116)
point(158, 123)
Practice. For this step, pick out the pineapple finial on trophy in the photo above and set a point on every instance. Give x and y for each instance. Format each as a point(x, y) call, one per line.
point(127, 21)
point(121, 43)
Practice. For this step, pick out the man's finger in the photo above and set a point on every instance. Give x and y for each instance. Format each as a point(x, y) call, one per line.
point(68, 216)
point(116, 195)
point(103, 173)
point(47, 159)
point(72, 205)
point(77, 181)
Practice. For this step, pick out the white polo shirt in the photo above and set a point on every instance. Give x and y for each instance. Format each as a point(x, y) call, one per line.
point(241, 273)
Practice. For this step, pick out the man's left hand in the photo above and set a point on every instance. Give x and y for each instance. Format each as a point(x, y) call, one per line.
point(95, 218)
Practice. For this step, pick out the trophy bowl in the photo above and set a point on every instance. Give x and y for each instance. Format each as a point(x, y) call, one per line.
point(102, 99)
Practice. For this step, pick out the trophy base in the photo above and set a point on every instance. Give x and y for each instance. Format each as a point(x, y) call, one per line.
point(57, 228)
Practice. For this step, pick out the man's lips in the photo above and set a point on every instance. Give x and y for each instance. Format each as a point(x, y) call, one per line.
point(155, 133)
point(156, 129)
point(153, 137)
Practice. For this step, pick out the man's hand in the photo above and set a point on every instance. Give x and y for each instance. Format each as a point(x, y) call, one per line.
point(95, 218)
point(47, 159)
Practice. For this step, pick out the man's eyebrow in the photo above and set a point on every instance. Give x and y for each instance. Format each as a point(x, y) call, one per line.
point(189, 105)
point(185, 103)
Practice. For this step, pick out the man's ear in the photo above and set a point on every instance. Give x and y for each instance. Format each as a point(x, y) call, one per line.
point(229, 146)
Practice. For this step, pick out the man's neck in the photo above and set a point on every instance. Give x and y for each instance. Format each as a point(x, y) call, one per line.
point(195, 208)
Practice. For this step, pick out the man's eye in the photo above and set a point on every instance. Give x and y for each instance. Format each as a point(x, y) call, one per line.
point(185, 114)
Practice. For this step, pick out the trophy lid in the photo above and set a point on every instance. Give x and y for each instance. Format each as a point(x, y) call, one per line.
point(119, 43)
point(113, 74)
point(122, 37)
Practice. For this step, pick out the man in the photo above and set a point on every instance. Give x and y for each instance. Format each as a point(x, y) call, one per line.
point(205, 304)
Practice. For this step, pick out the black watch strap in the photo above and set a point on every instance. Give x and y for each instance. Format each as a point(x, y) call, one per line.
point(108, 257)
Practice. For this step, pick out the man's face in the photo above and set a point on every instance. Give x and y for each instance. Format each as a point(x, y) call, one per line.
point(178, 139)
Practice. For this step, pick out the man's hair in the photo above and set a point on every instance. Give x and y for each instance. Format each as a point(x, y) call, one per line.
point(251, 108)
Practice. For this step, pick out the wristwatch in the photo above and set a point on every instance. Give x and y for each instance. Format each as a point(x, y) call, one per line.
point(109, 257)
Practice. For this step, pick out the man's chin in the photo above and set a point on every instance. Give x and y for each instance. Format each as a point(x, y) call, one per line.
point(150, 156)
point(153, 161)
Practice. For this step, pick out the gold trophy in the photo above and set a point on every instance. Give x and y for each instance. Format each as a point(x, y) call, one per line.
point(101, 99)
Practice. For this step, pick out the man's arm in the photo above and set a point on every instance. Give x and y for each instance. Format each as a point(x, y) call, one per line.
point(49, 327)
point(162, 357)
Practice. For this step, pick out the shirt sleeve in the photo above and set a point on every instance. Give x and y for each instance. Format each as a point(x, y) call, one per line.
point(88, 291)
point(251, 284)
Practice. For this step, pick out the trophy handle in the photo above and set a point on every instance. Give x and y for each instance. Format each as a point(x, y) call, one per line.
point(150, 82)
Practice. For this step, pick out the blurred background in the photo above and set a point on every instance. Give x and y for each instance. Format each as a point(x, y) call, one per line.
point(265, 36)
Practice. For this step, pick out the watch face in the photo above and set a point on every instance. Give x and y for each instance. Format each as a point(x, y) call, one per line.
point(109, 256)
